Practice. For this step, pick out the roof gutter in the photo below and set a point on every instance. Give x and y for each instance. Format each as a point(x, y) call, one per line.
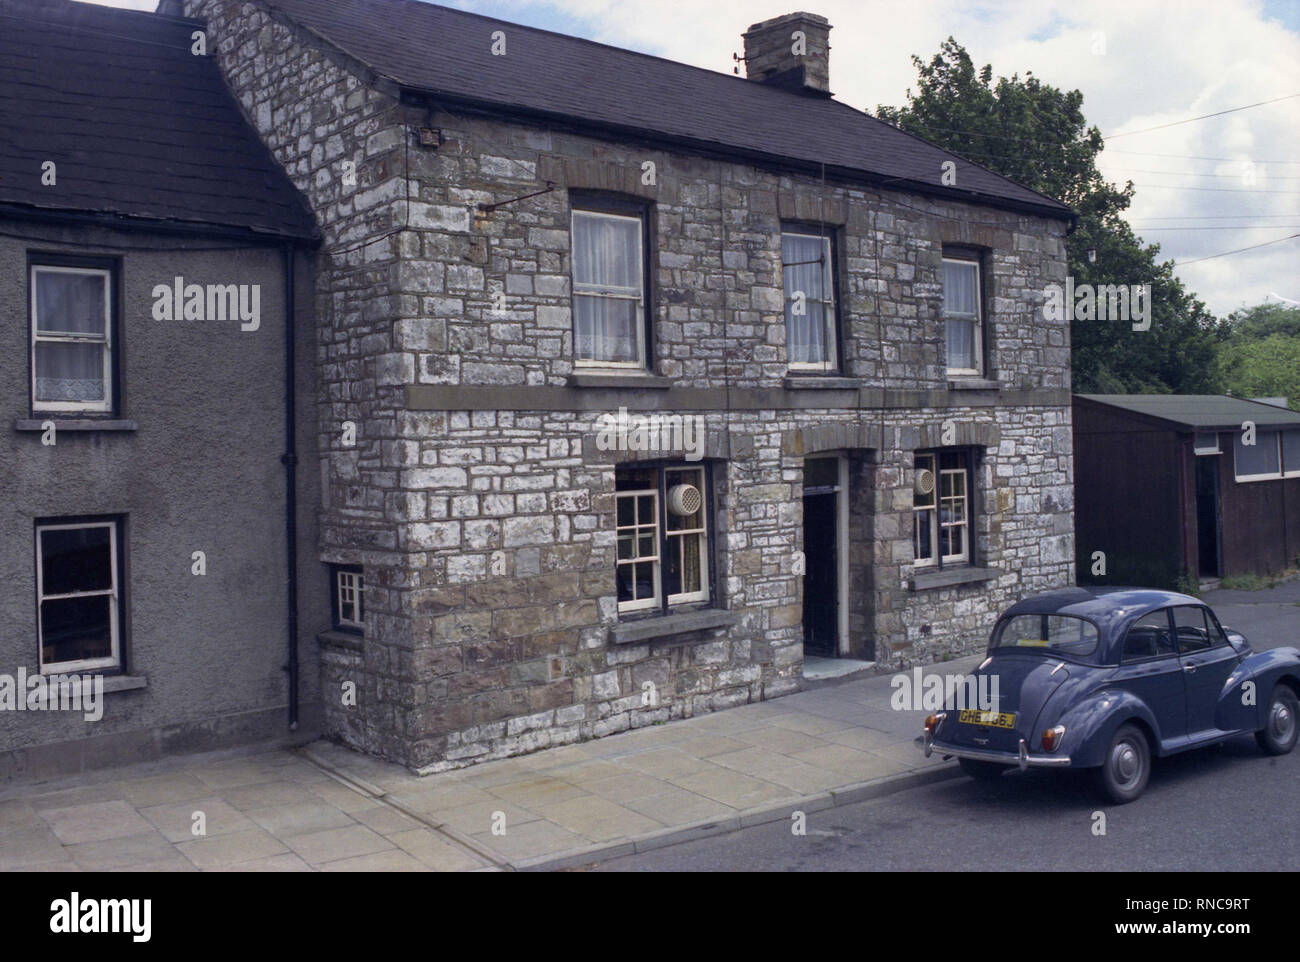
point(639, 135)
point(155, 225)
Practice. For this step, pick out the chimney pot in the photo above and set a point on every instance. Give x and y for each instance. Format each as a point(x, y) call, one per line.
point(791, 51)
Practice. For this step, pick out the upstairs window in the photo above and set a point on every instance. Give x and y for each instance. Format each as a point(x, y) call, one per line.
point(71, 338)
point(963, 323)
point(941, 508)
point(808, 266)
point(609, 303)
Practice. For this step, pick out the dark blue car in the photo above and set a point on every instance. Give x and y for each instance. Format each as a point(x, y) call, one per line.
point(1106, 678)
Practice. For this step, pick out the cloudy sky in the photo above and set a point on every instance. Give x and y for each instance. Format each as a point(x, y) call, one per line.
point(1203, 188)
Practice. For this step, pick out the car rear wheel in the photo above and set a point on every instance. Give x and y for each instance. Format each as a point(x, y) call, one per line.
point(1124, 772)
point(981, 771)
point(1278, 736)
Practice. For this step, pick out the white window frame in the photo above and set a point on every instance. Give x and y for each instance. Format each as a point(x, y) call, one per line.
point(1198, 450)
point(67, 338)
point(701, 533)
point(964, 523)
point(831, 330)
point(636, 294)
point(637, 529)
point(935, 525)
point(1272, 476)
point(977, 337)
point(357, 589)
point(114, 659)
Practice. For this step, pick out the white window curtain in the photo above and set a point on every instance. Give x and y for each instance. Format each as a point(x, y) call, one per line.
point(71, 337)
point(809, 309)
point(961, 313)
point(608, 301)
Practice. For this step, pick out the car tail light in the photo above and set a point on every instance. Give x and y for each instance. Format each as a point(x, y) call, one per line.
point(932, 722)
point(1052, 738)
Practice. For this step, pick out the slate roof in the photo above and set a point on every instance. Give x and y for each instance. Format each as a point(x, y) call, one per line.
point(138, 126)
point(447, 53)
point(1200, 411)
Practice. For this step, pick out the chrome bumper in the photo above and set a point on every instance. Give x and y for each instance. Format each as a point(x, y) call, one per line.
point(1022, 758)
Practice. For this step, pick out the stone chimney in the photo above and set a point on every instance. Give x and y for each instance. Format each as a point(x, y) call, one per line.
point(792, 51)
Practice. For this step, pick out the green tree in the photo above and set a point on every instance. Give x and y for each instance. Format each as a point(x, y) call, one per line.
point(1037, 135)
point(1260, 353)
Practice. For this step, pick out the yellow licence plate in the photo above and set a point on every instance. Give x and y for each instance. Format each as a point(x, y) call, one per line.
point(973, 716)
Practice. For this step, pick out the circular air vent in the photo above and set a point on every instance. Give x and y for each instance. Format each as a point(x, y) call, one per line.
point(684, 500)
point(925, 481)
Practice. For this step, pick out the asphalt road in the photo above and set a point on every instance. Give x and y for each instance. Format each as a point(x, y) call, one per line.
point(1226, 808)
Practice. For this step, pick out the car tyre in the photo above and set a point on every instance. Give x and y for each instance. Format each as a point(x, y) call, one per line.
point(981, 771)
point(1127, 766)
point(1278, 736)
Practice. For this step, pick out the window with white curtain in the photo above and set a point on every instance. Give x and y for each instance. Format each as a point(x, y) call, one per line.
point(608, 290)
point(808, 268)
point(961, 314)
point(71, 338)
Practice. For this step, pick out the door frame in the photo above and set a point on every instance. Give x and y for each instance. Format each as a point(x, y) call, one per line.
point(842, 646)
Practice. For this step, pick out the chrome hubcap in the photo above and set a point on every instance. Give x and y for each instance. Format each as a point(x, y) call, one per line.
point(1282, 721)
point(1126, 763)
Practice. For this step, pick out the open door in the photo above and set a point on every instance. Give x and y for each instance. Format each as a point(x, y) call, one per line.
point(1207, 517)
point(822, 572)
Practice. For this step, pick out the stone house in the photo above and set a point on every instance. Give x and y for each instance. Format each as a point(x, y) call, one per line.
point(638, 384)
point(144, 536)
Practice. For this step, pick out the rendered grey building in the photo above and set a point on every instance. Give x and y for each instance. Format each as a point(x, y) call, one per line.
point(636, 383)
point(130, 443)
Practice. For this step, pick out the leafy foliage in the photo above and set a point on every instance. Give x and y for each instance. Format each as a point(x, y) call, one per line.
point(1037, 135)
point(1260, 353)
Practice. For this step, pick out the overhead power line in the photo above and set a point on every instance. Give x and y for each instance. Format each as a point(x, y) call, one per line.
point(1189, 120)
point(1237, 251)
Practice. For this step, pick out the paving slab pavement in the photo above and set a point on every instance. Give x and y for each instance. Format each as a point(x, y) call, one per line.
point(326, 808)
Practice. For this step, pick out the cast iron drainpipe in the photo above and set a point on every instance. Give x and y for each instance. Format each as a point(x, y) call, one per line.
point(290, 461)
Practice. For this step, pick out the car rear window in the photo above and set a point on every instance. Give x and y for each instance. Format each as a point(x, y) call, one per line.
point(1054, 634)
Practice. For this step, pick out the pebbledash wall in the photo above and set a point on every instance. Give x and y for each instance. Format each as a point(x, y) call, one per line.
point(476, 498)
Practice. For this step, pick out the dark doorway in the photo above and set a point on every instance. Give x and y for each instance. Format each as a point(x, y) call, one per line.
point(821, 575)
point(1207, 516)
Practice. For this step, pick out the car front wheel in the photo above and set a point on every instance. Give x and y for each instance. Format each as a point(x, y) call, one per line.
point(1124, 772)
point(1278, 736)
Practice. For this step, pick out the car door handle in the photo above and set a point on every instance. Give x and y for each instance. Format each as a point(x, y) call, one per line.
point(1189, 667)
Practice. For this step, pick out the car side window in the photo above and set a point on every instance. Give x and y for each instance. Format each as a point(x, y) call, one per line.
point(1149, 637)
point(1217, 635)
point(1191, 629)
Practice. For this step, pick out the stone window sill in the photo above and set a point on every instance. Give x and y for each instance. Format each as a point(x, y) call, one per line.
point(667, 626)
point(922, 580)
point(112, 683)
point(341, 639)
point(973, 384)
point(76, 424)
point(817, 382)
point(632, 381)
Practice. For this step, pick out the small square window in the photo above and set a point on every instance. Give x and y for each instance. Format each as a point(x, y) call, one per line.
point(662, 537)
point(348, 597)
point(941, 508)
